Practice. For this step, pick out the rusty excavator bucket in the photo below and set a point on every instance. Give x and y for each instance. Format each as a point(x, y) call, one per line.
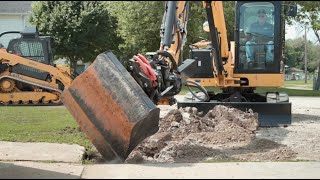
point(111, 108)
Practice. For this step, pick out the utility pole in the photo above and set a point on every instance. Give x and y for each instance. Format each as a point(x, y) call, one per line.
point(305, 55)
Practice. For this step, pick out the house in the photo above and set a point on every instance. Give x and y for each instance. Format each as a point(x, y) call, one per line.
point(294, 74)
point(14, 16)
point(81, 67)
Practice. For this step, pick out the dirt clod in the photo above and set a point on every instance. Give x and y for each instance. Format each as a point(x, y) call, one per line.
point(222, 134)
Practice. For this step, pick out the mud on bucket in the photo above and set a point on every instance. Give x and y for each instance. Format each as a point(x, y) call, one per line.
point(111, 108)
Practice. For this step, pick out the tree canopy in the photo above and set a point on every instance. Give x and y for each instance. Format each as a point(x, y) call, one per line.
point(80, 29)
point(140, 21)
point(139, 25)
point(295, 54)
point(309, 15)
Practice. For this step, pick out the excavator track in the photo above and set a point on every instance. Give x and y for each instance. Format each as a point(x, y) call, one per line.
point(41, 96)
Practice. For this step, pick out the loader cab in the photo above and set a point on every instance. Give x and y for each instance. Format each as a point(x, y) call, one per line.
point(32, 46)
point(258, 37)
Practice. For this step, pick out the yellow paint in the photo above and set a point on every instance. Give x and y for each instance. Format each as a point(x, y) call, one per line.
point(62, 74)
point(15, 97)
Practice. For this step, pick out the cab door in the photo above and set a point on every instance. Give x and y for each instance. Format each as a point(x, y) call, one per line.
point(258, 37)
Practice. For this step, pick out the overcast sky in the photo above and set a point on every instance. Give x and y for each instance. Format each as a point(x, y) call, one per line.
point(295, 31)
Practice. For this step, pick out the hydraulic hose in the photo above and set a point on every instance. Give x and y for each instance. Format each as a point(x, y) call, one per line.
point(201, 88)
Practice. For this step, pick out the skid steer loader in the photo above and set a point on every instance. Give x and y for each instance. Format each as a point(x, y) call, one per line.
point(116, 106)
point(27, 73)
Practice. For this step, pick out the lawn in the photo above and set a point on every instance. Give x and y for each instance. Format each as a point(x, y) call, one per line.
point(40, 124)
point(299, 83)
point(287, 88)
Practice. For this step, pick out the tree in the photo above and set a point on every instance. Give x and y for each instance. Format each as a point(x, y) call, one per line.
point(198, 15)
point(140, 21)
point(139, 25)
point(80, 29)
point(295, 54)
point(309, 15)
point(229, 14)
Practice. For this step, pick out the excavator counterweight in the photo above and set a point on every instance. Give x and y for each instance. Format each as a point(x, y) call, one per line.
point(111, 108)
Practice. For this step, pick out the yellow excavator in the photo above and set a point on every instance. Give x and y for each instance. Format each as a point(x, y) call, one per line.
point(27, 73)
point(116, 106)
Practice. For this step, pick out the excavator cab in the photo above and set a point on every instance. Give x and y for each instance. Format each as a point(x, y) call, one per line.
point(257, 50)
point(260, 36)
point(258, 24)
point(253, 60)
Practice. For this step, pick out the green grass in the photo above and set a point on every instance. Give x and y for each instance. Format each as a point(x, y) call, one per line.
point(298, 83)
point(40, 124)
point(290, 92)
point(286, 89)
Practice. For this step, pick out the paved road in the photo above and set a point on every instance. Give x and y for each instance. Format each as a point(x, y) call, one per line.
point(234, 170)
point(37, 170)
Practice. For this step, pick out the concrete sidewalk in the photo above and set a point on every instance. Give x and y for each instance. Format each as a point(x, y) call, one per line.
point(18, 161)
point(53, 152)
point(232, 170)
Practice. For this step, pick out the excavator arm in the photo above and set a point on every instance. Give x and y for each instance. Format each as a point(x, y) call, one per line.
point(173, 30)
point(167, 59)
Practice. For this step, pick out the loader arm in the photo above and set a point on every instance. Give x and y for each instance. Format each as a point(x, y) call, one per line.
point(27, 73)
point(20, 86)
point(55, 73)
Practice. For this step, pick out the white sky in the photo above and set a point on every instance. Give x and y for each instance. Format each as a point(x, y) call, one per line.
point(295, 31)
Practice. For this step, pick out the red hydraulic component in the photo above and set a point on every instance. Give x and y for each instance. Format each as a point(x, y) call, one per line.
point(146, 68)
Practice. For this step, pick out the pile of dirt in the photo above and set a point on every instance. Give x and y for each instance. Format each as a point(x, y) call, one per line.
point(223, 134)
